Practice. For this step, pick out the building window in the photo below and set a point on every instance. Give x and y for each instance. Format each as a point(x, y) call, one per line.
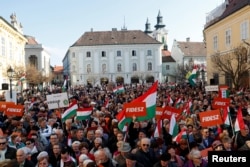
point(149, 66)
point(216, 78)
point(119, 67)
point(119, 53)
point(167, 67)
point(103, 54)
point(88, 68)
point(133, 53)
point(134, 67)
point(149, 52)
point(3, 46)
point(228, 37)
point(73, 54)
point(104, 68)
point(33, 61)
point(244, 30)
point(215, 42)
point(88, 54)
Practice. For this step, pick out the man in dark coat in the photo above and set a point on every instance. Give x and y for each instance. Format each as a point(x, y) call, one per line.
point(6, 152)
point(21, 160)
point(145, 155)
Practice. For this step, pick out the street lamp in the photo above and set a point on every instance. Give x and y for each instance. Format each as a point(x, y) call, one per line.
point(10, 73)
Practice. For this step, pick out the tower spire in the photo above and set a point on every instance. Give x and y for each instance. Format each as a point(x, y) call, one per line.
point(159, 21)
point(147, 27)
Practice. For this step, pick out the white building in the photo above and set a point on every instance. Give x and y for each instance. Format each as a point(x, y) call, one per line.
point(11, 46)
point(37, 56)
point(188, 54)
point(120, 56)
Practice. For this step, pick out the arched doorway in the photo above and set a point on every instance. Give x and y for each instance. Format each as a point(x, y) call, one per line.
point(134, 79)
point(104, 80)
point(150, 79)
point(119, 80)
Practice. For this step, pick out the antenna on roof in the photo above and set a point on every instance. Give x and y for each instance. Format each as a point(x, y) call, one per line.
point(124, 28)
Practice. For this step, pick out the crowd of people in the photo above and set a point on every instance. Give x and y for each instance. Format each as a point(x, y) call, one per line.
point(40, 138)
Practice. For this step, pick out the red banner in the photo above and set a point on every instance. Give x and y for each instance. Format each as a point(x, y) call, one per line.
point(168, 111)
point(5, 105)
point(14, 110)
point(210, 118)
point(137, 109)
point(158, 113)
point(219, 103)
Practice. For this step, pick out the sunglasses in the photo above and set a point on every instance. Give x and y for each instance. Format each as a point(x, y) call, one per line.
point(3, 143)
point(145, 145)
point(28, 143)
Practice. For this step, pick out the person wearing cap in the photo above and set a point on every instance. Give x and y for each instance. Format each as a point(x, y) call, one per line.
point(164, 161)
point(123, 149)
point(217, 146)
point(131, 161)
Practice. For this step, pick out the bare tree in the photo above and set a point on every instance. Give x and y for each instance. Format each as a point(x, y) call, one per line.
point(234, 64)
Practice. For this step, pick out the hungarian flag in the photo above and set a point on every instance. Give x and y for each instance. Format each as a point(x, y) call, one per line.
point(240, 92)
point(83, 113)
point(192, 77)
point(173, 128)
point(226, 116)
point(239, 122)
point(71, 111)
point(22, 78)
point(157, 132)
point(119, 89)
point(123, 121)
point(169, 100)
point(181, 135)
point(178, 102)
point(149, 98)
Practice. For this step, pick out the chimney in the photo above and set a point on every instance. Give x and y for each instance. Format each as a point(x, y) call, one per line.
point(188, 39)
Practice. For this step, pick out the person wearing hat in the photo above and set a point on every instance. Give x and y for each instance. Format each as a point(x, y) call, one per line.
point(217, 146)
point(131, 161)
point(124, 149)
point(165, 161)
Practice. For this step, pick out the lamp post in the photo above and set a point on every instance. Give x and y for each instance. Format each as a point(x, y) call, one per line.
point(10, 73)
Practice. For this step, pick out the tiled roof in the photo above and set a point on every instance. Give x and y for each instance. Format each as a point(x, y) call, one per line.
point(192, 48)
point(233, 6)
point(167, 59)
point(166, 53)
point(58, 68)
point(31, 40)
point(114, 37)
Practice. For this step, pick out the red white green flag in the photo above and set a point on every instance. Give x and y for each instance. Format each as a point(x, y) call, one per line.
point(83, 113)
point(149, 98)
point(239, 122)
point(71, 111)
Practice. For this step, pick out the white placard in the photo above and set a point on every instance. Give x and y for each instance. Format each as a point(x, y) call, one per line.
point(212, 88)
point(58, 100)
point(7, 96)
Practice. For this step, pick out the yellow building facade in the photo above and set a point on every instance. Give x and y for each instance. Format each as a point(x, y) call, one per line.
point(12, 46)
point(226, 28)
